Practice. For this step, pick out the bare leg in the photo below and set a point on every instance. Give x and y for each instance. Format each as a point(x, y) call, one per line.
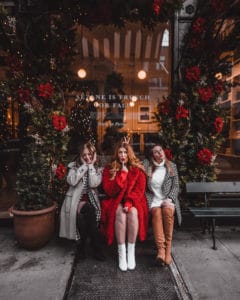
point(132, 224)
point(120, 231)
point(120, 225)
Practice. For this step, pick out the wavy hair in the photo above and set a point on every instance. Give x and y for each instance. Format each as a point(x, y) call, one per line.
point(133, 161)
point(167, 162)
point(91, 148)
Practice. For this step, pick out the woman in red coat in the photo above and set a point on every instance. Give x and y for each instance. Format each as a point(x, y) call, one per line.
point(124, 213)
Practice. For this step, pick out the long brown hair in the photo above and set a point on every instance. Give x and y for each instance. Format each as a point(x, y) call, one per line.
point(133, 161)
point(167, 162)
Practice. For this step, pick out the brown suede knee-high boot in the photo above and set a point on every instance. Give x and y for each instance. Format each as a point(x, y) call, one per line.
point(168, 222)
point(157, 223)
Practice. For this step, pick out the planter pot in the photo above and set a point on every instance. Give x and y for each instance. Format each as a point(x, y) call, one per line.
point(33, 229)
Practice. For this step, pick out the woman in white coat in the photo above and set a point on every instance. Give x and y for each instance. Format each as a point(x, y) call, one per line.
point(80, 212)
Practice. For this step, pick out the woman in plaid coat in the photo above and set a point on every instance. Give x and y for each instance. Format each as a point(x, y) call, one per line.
point(80, 212)
point(162, 196)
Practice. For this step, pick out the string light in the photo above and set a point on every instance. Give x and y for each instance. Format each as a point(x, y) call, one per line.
point(91, 98)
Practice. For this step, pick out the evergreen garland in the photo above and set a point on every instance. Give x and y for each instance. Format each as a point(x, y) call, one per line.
point(192, 123)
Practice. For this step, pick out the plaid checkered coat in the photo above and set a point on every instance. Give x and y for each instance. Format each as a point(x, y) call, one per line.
point(78, 178)
point(170, 188)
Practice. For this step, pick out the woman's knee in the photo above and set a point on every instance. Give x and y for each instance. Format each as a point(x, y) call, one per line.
point(168, 204)
point(133, 213)
point(120, 215)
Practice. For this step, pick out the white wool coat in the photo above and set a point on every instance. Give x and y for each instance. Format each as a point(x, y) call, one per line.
point(68, 214)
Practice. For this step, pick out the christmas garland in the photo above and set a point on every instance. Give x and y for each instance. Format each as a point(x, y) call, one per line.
point(192, 122)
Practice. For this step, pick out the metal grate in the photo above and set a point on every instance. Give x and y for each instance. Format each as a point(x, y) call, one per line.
point(103, 280)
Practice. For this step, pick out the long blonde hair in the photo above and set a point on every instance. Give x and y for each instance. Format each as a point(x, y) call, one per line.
point(167, 162)
point(133, 161)
point(91, 148)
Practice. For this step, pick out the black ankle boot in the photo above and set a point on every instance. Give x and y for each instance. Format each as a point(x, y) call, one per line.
point(81, 250)
point(98, 253)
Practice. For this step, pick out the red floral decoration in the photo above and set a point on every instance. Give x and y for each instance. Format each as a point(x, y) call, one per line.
point(182, 113)
point(204, 156)
point(192, 73)
point(199, 25)
point(23, 95)
point(205, 94)
point(218, 124)
point(59, 122)
point(61, 171)
point(157, 6)
point(45, 90)
point(168, 154)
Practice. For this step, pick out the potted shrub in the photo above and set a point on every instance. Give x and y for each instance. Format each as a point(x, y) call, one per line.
point(41, 171)
point(34, 210)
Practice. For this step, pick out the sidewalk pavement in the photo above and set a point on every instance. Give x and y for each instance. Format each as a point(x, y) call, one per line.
point(41, 274)
point(207, 273)
point(45, 273)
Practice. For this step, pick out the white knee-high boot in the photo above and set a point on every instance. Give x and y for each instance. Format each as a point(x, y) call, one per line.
point(122, 259)
point(131, 256)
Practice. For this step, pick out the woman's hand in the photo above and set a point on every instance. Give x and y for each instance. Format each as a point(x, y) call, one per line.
point(82, 161)
point(94, 158)
point(124, 168)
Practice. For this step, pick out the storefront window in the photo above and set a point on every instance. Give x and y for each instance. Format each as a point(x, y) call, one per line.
point(131, 69)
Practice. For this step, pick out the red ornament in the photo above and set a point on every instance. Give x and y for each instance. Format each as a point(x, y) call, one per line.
point(61, 171)
point(168, 154)
point(192, 73)
point(205, 94)
point(157, 6)
point(218, 124)
point(59, 122)
point(204, 156)
point(199, 25)
point(45, 90)
point(181, 113)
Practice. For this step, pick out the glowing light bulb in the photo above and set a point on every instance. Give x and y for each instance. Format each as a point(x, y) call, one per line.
point(142, 74)
point(134, 98)
point(131, 104)
point(82, 73)
point(91, 98)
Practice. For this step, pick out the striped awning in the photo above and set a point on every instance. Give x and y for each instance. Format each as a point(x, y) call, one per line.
point(124, 49)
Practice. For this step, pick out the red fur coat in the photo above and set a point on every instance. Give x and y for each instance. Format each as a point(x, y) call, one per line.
point(129, 187)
